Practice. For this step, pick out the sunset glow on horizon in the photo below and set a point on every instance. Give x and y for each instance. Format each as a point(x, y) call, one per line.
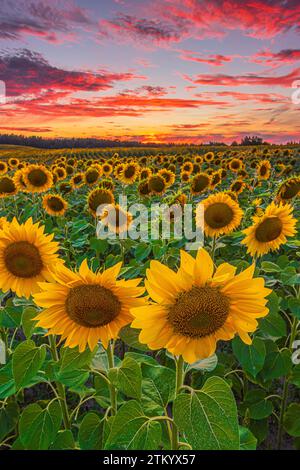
point(161, 71)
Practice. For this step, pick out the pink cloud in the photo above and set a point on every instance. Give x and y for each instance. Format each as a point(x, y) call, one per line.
point(211, 59)
point(249, 79)
point(273, 59)
point(53, 21)
point(27, 72)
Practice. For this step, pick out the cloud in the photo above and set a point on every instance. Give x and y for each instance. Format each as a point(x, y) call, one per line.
point(249, 79)
point(253, 97)
point(257, 18)
point(273, 59)
point(211, 59)
point(27, 72)
point(153, 31)
point(46, 19)
point(36, 130)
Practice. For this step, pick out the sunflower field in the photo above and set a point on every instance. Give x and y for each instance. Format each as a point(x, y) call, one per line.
point(130, 344)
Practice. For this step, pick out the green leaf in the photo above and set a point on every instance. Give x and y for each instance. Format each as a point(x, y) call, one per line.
point(64, 441)
point(132, 430)
point(71, 359)
point(130, 336)
point(158, 385)
point(208, 417)
point(142, 251)
point(205, 365)
point(295, 376)
point(9, 416)
point(127, 377)
point(256, 404)
point(273, 326)
point(294, 306)
point(247, 440)
point(100, 361)
point(27, 360)
point(10, 317)
point(7, 383)
point(277, 364)
point(91, 432)
point(292, 420)
point(100, 246)
point(250, 357)
point(28, 324)
point(38, 428)
point(269, 267)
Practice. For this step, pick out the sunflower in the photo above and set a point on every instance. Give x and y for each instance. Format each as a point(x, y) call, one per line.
point(157, 184)
point(270, 230)
point(263, 170)
point(3, 222)
point(198, 159)
point(199, 183)
point(37, 178)
point(7, 186)
point(107, 169)
point(91, 176)
point(65, 187)
point(77, 180)
point(209, 156)
point(118, 170)
point(187, 167)
point(143, 188)
point(116, 218)
point(60, 173)
point(237, 186)
point(215, 179)
point(235, 165)
point(85, 307)
point(168, 176)
point(222, 214)
point(3, 168)
point(145, 173)
point(54, 204)
point(13, 162)
point(185, 176)
point(99, 197)
point(194, 308)
point(289, 189)
point(27, 256)
point(19, 181)
point(129, 173)
point(107, 183)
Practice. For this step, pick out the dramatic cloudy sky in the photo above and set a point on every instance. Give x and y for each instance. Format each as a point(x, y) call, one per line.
point(156, 71)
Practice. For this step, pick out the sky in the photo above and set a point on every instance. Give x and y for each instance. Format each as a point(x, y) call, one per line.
point(182, 71)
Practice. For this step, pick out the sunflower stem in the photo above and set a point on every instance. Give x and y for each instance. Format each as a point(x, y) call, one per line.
point(285, 391)
point(178, 385)
point(112, 389)
point(60, 387)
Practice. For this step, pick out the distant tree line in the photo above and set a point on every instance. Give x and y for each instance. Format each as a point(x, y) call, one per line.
point(81, 142)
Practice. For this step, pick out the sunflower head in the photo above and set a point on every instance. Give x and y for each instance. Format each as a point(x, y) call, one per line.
point(200, 183)
point(3, 168)
point(157, 184)
point(107, 168)
point(54, 204)
point(289, 189)
point(86, 307)
point(7, 186)
point(222, 214)
point(13, 162)
point(263, 170)
point(99, 197)
point(270, 229)
point(116, 218)
point(27, 256)
point(91, 176)
point(238, 186)
point(195, 307)
point(143, 188)
point(77, 180)
point(37, 178)
point(129, 173)
point(145, 173)
point(185, 176)
point(168, 176)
